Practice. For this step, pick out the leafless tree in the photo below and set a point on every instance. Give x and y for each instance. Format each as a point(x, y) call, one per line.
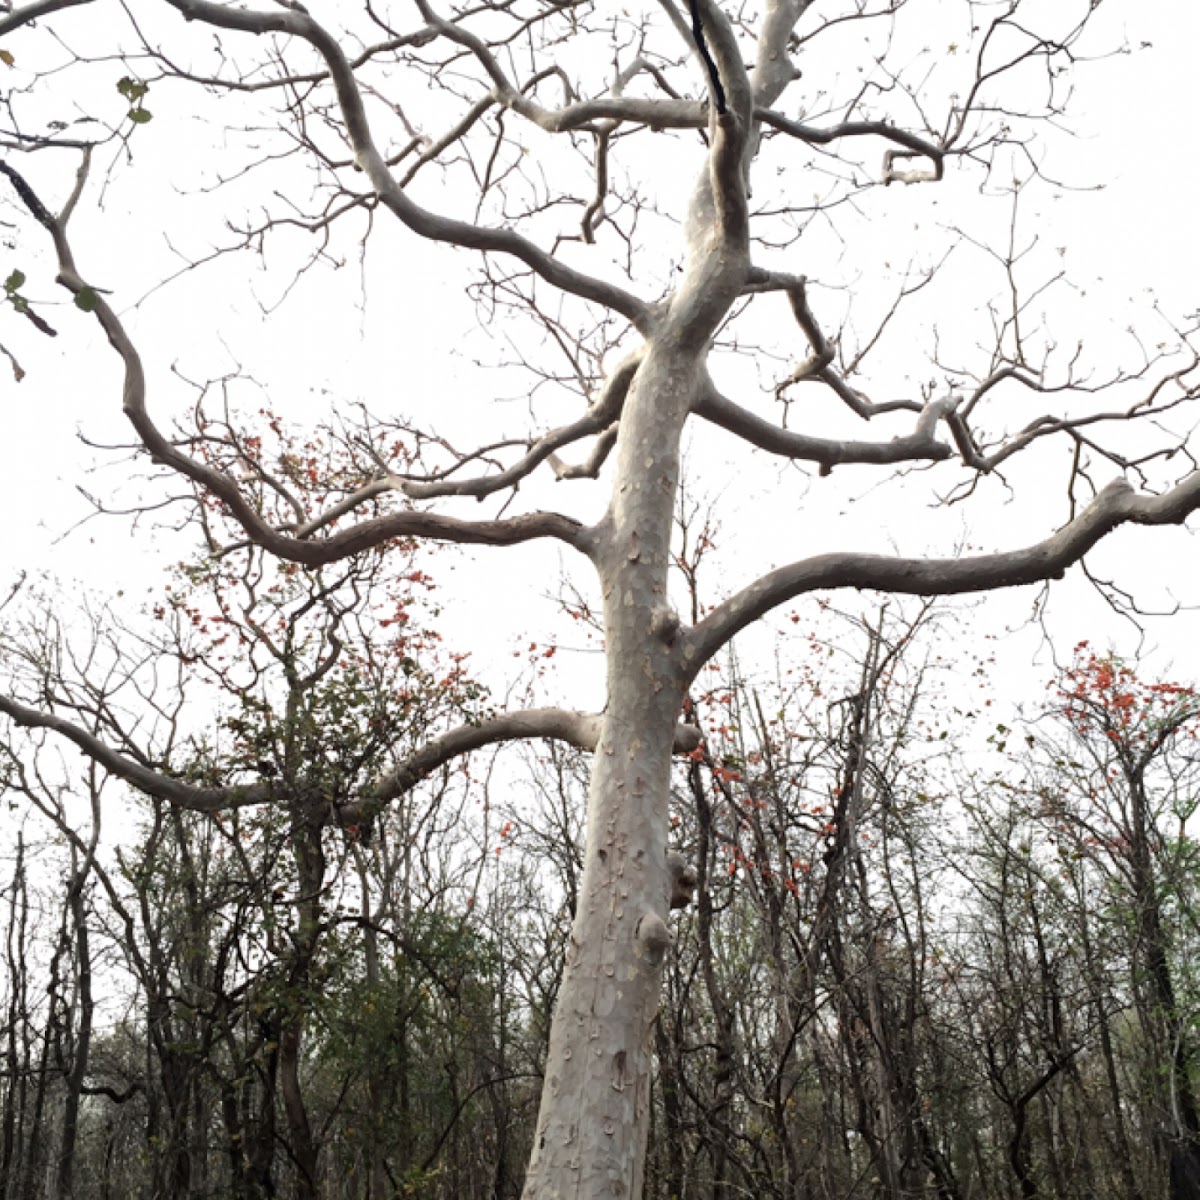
point(531, 115)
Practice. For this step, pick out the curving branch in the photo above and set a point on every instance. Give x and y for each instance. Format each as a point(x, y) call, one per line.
point(731, 126)
point(296, 22)
point(911, 145)
point(1157, 401)
point(598, 417)
point(818, 366)
point(31, 12)
point(590, 467)
point(364, 535)
point(578, 729)
point(1118, 504)
point(675, 113)
point(153, 783)
point(922, 445)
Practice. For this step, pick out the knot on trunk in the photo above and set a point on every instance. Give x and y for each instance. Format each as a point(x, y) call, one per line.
point(664, 624)
point(654, 936)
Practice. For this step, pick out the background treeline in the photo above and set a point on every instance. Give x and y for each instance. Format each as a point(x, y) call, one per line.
point(929, 954)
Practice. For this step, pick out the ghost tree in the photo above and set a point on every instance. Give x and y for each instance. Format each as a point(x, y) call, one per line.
point(547, 139)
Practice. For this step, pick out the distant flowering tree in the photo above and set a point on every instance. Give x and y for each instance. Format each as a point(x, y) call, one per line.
point(1127, 796)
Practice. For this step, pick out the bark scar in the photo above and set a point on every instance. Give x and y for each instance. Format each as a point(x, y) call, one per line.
point(618, 1080)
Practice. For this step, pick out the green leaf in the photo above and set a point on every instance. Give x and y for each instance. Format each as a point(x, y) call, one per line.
point(139, 116)
point(14, 281)
point(85, 299)
point(132, 89)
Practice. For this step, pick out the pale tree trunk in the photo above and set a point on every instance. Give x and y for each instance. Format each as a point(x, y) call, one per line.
point(591, 1132)
point(590, 1139)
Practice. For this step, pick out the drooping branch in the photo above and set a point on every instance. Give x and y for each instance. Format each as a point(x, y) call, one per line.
point(1118, 504)
point(153, 783)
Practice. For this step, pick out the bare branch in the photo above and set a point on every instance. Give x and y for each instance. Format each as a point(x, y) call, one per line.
point(598, 417)
point(1118, 504)
point(578, 729)
point(153, 783)
point(731, 132)
point(920, 445)
point(913, 146)
point(368, 157)
point(31, 12)
point(818, 365)
point(364, 535)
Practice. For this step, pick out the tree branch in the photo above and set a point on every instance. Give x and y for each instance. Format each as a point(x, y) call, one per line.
point(578, 729)
point(598, 417)
point(920, 445)
point(731, 127)
point(365, 535)
point(31, 12)
point(913, 146)
point(426, 224)
point(153, 783)
point(1116, 505)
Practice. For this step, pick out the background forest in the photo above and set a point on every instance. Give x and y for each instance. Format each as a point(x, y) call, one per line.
point(929, 952)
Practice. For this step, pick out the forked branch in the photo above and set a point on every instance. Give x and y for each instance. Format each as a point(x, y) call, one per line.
point(296, 22)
